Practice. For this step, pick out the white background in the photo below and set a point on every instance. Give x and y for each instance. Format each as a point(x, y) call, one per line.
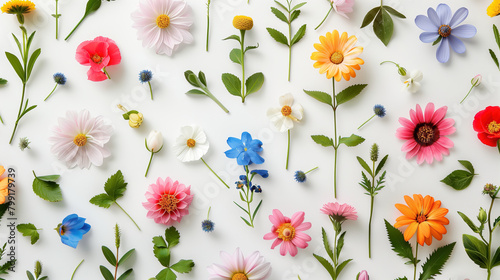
point(443, 84)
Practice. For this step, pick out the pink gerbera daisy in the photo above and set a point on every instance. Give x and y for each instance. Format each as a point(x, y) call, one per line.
point(288, 232)
point(237, 267)
point(340, 212)
point(79, 139)
point(424, 133)
point(163, 24)
point(167, 201)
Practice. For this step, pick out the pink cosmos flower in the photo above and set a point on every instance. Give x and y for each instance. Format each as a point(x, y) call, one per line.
point(236, 266)
point(288, 232)
point(343, 7)
point(424, 134)
point(340, 212)
point(79, 139)
point(98, 54)
point(163, 24)
point(167, 201)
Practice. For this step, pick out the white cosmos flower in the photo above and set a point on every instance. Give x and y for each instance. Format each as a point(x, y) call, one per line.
point(411, 82)
point(283, 117)
point(192, 144)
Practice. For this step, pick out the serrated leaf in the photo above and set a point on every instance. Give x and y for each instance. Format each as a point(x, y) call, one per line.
point(381, 165)
point(31, 63)
point(125, 274)
point(496, 221)
point(342, 266)
point(110, 257)
point(49, 191)
point(278, 36)
point(191, 78)
point(476, 250)
point(166, 274)
point(29, 230)
point(16, 64)
point(468, 221)
point(300, 33)
point(326, 264)
point(115, 186)
point(49, 178)
point(323, 140)
point(183, 266)
point(398, 243)
point(233, 37)
point(436, 261)
point(102, 200)
point(394, 12)
point(365, 166)
point(467, 165)
point(458, 179)
point(340, 245)
point(352, 140)
point(163, 255)
point(254, 83)
point(106, 273)
point(126, 256)
point(383, 26)
point(326, 244)
point(349, 93)
point(370, 16)
point(232, 84)
point(159, 242)
point(172, 236)
point(279, 14)
point(295, 14)
point(298, 6)
point(320, 96)
point(235, 56)
point(3, 81)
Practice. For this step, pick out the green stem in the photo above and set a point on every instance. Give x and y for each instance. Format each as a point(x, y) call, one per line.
point(78, 24)
point(366, 121)
point(1, 120)
point(467, 94)
point(117, 259)
point(335, 259)
point(331, 7)
point(336, 144)
point(149, 164)
point(73, 275)
point(214, 173)
point(490, 238)
point(18, 114)
point(208, 214)
point(150, 88)
point(50, 93)
point(388, 61)
point(57, 20)
point(209, 94)
point(243, 95)
point(311, 170)
point(106, 72)
point(372, 195)
point(248, 200)
point(416, 261)
point(208, 22)
point(290, 42)
point(128, 215)
point(288, 150)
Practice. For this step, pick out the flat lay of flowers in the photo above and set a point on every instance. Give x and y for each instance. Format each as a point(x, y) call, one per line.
point(342, 139)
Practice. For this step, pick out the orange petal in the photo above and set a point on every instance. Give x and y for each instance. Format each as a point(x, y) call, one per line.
point(427, 205)
point(405, 210)
point(2, 170)
point(410, 231)
point(437, 226)
point(425, 229)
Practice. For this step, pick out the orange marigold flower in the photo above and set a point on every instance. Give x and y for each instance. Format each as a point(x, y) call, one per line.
point(336, 56)
point(4, 186)
point(424, 216)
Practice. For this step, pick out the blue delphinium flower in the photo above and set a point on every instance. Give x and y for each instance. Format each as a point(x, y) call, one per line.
point(263, 173)
point(245, 150)
point(378, 110)
point(72, 230)
point(440, 26)
point(145, 76)
point(60, 79)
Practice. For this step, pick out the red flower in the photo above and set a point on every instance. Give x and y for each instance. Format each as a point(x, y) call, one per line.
point(487, 125)
point(98, 54)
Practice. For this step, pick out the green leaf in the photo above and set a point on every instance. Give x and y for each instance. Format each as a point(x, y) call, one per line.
point(92, 6)
point(468, 221)
point(402, 278)
point(166, 274)
point(381, 165)
point(494, 57)
point(279, 14)
point(125, 274)
point(497, 35)
point(163, 255)
point(278, 36)
point(202, 78)
point(102, 200)
point(233, 37)
point(281, 5)
point(476, 250)
point(183, 266)
point(370, 16)
point(29, 230)
point(458, 179)
point(172, 236)
point(49, 191)
point(436, 261)
point(110, 257)
point(394, 12)
point(320, 96)
point(322, 140)
point(342, 266)
point(30, 40)
point(196, 91)
point(49, 178)
point(191, 78)
point(496, 258)
point(44, 278)
point(352, 140)
point(3, 81)
point(16, 64)
point(159, 242)
point(247, 222)
point(398, 243)
point(31, 63)
point(365, 166)
point(30, 275)
point(437, 41)
point(235, 56)
point(300, 33)
point(18, 44)
point(254, 83)
point(256, 209)
point(250, 48)
point(126, 116)
point(295, 14)
point(467, 165)
point(126, 256)
point(498, 145)
point(244, 210)
point(3, 208)
point(298, 6)
point(349, 93)
point(106, 273)
point(115, 186)
point(326, 243)
point(383, 26)
point(340, 245)
point(232, 84)
point(326, 264)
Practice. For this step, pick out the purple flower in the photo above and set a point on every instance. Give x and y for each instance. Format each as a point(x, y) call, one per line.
point(440, 24)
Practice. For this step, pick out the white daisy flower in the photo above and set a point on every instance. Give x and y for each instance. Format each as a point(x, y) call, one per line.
point(283, 117)
point(192, 144)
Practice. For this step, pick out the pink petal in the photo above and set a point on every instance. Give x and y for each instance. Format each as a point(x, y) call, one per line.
point(429, 111)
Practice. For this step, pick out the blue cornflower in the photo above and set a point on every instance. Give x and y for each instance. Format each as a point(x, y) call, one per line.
point(379, 111)
point(245, 150)
point(300, 176)
point(263, 173)
point(207, 225)
point(60, 79)
point(72, 229)
point(145, 76)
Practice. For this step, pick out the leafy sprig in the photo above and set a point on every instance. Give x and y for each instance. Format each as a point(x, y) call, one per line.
point(5, 268)
point(460, 179)
point(334, 268)
point(29, 230)
point(91, 7)
point(200, 81)
point(37, 272)
point(383, 26)
point(161, 249)
point(115, 260)
point(497, 40)
point(114, 188)
point(47, 188)
point(293, 14)
point(57, 16)
point(247, 190)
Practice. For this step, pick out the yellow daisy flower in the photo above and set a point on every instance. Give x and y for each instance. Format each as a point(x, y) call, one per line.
point(494, 8)
point(19, 8)
point(242, 22)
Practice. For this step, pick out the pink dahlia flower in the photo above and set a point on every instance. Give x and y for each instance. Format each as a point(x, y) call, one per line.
point(79, 139)
point(425, 134)
point(288, 232)
point(163, 24)
point(343, 7)
point(98, 54)
point(238, 267)
point(340, 212)
point(167, 201)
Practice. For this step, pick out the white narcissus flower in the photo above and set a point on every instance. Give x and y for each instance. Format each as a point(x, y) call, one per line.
point(411, 82)
point(283, 117)
point(192, 144)
point(154, 142)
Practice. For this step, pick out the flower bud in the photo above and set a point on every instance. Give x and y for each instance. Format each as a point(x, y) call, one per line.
point(154, 142)
point(476, 81)
point(482, 217)
point(38, 269)
point(490, 189)
point(374, 153)
point(363, 275)
point(402, 71)
point(135, 120)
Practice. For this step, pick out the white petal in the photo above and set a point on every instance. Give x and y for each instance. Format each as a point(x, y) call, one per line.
point(286, 100)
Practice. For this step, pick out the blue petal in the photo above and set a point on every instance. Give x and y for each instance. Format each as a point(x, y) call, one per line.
point(75, 223)
point(246, 138)
point(255, 145)
point(68, 218)
point(243, 159)
point(456, 44)
point(459, 16)
point(444, 14)
point(234, 142)
point(464, 31)
point(85, 228)
point(233, 153)
point(428, 37)
point(263, 173)
point(69, 242)
point(433, 16)
point(443, 51)
point(254, 157)
point(425, 23)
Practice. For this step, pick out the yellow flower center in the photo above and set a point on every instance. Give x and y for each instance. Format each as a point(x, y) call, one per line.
point(190, 143)
point(163, 21)
point(168, 203)
point(239, 276)
point(96, 58)
point(80, 140)
point(337, 57)
point(421, 218)
point(246, 149)
point(444, 30)
point(286, 111)
point(242, 22)
point(286, 232)
point(494, 127)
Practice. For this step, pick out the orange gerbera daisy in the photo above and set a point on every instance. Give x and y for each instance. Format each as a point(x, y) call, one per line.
point(336, 56)
point(4, 186)
point(424, 216)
